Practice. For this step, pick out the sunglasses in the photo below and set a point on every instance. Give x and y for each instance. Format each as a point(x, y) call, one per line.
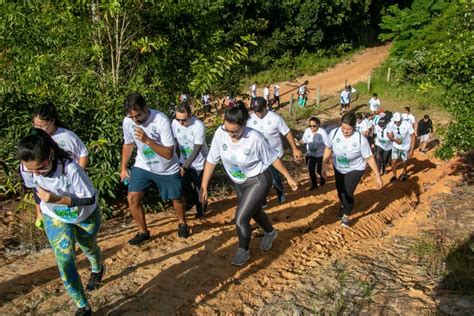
point(313, 125)
point(41, 170)
point(234, 133)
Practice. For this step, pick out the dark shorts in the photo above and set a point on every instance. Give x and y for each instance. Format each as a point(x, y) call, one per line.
point(168, 185)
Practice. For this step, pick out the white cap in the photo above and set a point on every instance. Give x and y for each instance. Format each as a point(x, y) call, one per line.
point(396, 117)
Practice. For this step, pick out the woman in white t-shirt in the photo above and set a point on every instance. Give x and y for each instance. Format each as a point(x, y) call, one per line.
point(69, 208)
point(46, 118)
point(315, 139)
point(383, 145)
point(246, 157)
point(351, 153)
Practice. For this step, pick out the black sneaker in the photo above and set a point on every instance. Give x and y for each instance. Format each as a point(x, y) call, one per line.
point(313, 187)
point(183, 230)
point(201, 210)
point(393, 179)
point(95, 280)
point(84, 311)
point(341, 213)
point(323, 181)
point(139, 238)
point(404, 177)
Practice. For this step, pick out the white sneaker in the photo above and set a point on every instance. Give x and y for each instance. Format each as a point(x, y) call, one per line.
point(267, 240)
point(241, 257)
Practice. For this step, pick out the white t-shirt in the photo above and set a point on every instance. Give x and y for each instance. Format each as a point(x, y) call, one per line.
point(276, 90)
point(67, 180)
point(408, 117)
point(362, 126)
point(349, 154)
point(403, 132)
point(315, 143)
point(158, 128)
point(70, 142)
point(206, 99)
point(248, 157)
point(381, 138)
point(266, 93)
point(345, 97)
point(374, 104)
point(187, 137)
point(253, 90)
point(302, 90)
point(270, 126)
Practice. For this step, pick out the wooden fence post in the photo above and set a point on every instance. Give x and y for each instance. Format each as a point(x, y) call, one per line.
point(318, 95)
point(345, 83)
point(368, 83)
point(389, 73)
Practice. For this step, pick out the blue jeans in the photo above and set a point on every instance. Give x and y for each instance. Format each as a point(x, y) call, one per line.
point(277, 182)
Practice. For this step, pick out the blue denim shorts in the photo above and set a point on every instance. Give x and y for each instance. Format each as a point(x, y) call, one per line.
point(168, 185)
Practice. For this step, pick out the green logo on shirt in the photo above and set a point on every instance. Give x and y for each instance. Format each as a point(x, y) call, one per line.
point(247, 151)
point(66, 213)
point(237, 173)
point(148, 153)
point(224, 147)
point(62, 143)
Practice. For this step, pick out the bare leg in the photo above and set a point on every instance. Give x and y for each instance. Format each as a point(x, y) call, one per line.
point(136, 209)
point(178, 205)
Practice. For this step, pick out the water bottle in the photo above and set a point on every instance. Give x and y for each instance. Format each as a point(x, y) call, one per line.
point(126, 180)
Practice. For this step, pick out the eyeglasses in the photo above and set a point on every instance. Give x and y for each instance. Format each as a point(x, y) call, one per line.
point(234, 133)
point(42, 170)
point(181, 120)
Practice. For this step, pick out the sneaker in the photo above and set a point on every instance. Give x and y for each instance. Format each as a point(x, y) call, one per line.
point(393, 179)
point(183, 230)
point(313, 187)
point(345, 221)
point(95, 280)
point(84, 311)
point(323, 181)
point(267, 240)
point(404, 177)
point(241, 257)
point(139, 238)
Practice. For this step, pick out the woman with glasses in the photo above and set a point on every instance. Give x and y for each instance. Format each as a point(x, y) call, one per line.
point(383, 145)
point(190, 135)
point(46, 118)
point(246, 157)
point(351, 153)
point(70, 210)
point(315, 139)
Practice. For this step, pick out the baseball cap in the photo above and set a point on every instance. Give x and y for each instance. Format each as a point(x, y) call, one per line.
point(396, 117)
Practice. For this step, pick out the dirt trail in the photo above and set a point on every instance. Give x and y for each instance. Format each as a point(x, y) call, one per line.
point(169, 275)
point(358, 68)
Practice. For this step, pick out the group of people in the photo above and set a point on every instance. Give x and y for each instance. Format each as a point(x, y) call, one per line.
point(174, 156)
point(266, 95)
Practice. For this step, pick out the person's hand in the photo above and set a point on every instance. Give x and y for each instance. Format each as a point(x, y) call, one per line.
point(182, 171)
point(39, 222)
point(47, 196)
point(141, 135)
point(398, 141)
point(124, 174)
point(293, 183)
point(297, 154)
point(324, 170)
point(379, 182)
point(203, 196)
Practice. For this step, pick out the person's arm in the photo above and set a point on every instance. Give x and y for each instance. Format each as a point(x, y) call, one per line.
point(127, 150)
point(327, 154)
point(373, 165)
point(297, 154)
point(412, 149)
point(206, 177)
point(164, 151)
point(83, 161)
point(278, 164)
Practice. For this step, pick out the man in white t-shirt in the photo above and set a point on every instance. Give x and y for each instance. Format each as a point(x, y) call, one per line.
point(156, 162)
point(345, 100)
point(403, 136)
point(374, 103)
point(362, 126)
point(190, 134)
point(410, 118)
point(253, 91)
point(276, 95)
point(266, 96)
point(271, 126)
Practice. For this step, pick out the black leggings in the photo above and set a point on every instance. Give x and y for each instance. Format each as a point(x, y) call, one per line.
point(314, 165)
point(382, 157)
point(346, 185)
point(251, 195)
point(191, 185)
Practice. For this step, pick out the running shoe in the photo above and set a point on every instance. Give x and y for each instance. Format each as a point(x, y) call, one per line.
point(139, 238)
point(323, 181)
point(313, 187)
point(393, 179)
point(404, 177)
point(183, 230)
point(341, 213)
point(95, 280)
point(281, 197)
point(267, 240)
point(241, 257)
point(84, 311)
point(345, 221)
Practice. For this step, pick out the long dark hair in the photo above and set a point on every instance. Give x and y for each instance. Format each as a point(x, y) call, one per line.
point(237, 114)
point(47, 112)
point(349, 118)
point(37, 146)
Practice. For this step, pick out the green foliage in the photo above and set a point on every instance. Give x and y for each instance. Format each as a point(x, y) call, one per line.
point(433, 53)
